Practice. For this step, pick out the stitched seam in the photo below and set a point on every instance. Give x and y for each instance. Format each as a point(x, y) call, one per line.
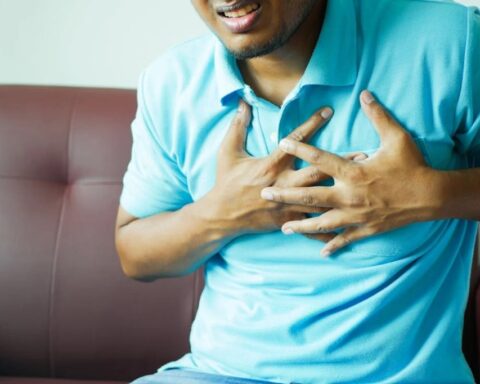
point(52, 284)
point(57, 245)
point(69, 140)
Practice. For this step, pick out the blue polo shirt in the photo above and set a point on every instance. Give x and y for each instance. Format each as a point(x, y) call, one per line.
point(388, 308)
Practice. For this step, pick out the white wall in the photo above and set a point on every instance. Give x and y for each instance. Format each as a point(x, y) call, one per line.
point(90, 42)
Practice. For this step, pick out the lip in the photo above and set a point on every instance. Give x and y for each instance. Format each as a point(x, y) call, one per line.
point(241, 24)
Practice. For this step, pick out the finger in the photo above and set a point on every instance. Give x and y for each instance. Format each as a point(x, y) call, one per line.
point(345, 238)
point(305, 131)
point(309, 196)
point(234, 141)
point(306, 209)
point(356, 156)
point(327, 162)
point(387, 127)
point(313, 175)
point(325, 237)
point(326, 223)
point(305, 177)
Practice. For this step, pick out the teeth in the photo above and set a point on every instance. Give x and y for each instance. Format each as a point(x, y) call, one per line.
point(242, 11)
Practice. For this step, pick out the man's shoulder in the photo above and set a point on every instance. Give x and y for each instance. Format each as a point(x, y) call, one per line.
point(433, 31)
point(178, 65)
point(435, 20)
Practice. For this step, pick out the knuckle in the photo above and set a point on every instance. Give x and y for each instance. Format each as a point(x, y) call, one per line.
point(362, 218)
point(266, 172)
point(346, 240)
point(315, 175)
point(297, 135)
point(307, 199)
point(355, 174)
point(315, 156)
point(354, 200)
point(322, 228)
point(342, 240)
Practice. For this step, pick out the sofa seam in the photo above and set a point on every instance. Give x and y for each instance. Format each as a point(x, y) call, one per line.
point(53, 274)
point(53, 285)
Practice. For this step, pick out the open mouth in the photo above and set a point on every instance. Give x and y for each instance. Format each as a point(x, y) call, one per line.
point(239, 10)
point(241, 16)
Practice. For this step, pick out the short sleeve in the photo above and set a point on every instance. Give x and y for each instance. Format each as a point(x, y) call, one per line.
point(153, 182)
point(468, 107)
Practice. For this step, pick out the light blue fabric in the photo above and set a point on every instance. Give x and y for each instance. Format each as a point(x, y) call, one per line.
point(181, 376)
point(385, 309)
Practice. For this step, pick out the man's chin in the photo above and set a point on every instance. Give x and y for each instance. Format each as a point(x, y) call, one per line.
point(254, 50)
point(245, 54)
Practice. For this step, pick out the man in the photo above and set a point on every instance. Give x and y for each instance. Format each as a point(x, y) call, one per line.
point(393, 196)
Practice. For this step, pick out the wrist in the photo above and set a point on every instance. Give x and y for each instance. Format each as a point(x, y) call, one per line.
point(430, 189)
point(441, 188)
point(211, 214)
point(458, 191)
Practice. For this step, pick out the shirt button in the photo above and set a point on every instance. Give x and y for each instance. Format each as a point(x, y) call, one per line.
point(273, 137)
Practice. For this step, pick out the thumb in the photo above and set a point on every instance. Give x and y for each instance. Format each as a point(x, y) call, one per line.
point(386, 126)
point(234, 141)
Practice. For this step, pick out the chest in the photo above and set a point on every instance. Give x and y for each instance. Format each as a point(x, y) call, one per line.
point(348, 131)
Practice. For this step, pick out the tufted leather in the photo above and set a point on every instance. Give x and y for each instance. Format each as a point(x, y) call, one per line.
point(66, 309)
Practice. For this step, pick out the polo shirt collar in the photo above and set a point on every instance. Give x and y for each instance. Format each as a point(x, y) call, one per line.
point(228, 76)
point(334, 58)
point(333, 61)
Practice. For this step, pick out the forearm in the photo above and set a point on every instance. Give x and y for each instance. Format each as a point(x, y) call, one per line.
point(460, 193)
point(172, 243)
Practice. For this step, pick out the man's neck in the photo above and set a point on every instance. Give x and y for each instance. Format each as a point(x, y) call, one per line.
point(273, 76)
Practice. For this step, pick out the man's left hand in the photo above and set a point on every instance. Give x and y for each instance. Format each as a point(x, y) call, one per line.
point(392, 188)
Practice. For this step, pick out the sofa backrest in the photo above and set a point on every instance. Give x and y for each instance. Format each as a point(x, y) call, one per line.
point(66, 309)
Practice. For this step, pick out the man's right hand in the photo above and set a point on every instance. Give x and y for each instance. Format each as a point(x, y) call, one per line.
point(235, 199)
point(176, 243)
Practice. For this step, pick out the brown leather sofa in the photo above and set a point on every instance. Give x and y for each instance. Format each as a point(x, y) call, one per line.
point(67, 312)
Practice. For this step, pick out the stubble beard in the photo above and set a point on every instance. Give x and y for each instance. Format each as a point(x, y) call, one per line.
point(275, 42)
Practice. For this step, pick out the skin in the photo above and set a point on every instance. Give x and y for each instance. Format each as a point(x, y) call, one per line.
point(274, 54)
point(176, 243)
point(391, 189)
point(268, 193)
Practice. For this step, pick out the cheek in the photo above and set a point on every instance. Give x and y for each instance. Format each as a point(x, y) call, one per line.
point(205, 11)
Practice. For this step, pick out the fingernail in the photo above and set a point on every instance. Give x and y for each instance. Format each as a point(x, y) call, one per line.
point(360, 157)
point(288, 231)
point(267, 194)
point(367, 97)
point(286, 145)
point(325, 253)
point(326, 113)
point(241, 106)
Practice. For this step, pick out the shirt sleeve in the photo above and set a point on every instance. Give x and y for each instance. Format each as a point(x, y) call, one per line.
point(468, 108)
point(153, 182)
